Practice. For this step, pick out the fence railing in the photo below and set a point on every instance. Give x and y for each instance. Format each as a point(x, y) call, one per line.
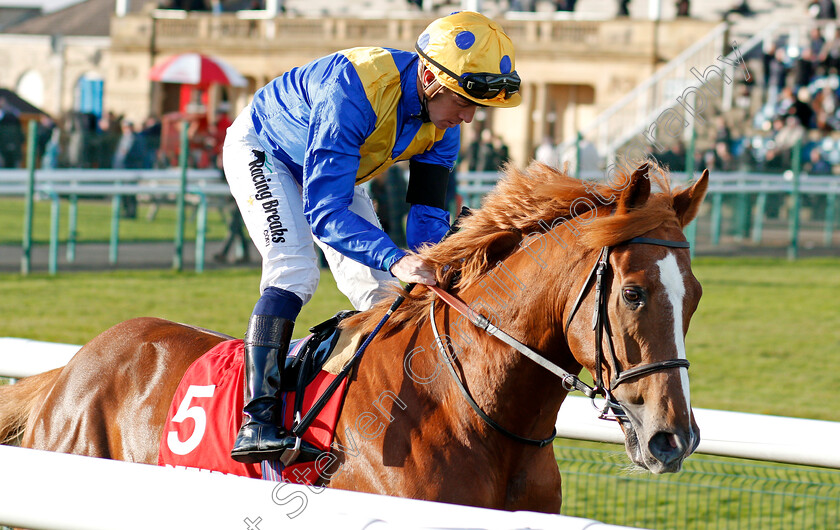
point(747, 195)
point(709, 493)
point(95, 493)
point(158, 186)
point(752, 199)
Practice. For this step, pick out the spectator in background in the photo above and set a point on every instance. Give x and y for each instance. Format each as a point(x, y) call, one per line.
point(776, 76)
point(802, 109)
point(816, 42)
point(825, 107)
point(823, 9)
point(785, 102)
point(789, 133)
point(501, 152)
point(674, 157)
point(745, 157)
point(816, 164)
point(722, 131)
point(828, 56)
point(130, 154)
point(683, 8)
point(43, 133)
point(81, 128)
point(11, 136)
point(523, 5)
point(483, 153)
point(52, 150)
point(724, 161)
point(105, 140)
point(743, 8)
point(130, 151)
point(804, 69)
point(151, 133)
point(623, 8)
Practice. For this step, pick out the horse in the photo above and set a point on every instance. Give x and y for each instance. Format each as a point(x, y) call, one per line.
point(439, 408)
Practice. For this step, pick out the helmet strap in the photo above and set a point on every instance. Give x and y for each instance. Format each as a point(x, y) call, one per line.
point(429, 91)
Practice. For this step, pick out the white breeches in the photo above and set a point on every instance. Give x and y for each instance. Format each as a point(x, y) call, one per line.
point(271, 204)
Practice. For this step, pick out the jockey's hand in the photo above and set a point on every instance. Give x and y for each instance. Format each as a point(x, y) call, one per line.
point(412, 269)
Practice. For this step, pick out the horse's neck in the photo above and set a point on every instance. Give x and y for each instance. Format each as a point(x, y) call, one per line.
point(524, 301)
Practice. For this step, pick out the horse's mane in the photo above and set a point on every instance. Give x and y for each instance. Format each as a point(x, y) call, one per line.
point(514, 210)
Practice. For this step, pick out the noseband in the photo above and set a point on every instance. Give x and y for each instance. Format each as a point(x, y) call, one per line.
point(611, 410)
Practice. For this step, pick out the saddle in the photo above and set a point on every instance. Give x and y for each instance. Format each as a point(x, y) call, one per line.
point(212, 390)
point(322, 350)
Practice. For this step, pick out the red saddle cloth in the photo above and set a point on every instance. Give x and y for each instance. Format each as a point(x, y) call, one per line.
point(206, 413)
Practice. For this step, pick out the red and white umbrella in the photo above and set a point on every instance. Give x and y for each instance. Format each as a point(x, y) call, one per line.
point(196, 69)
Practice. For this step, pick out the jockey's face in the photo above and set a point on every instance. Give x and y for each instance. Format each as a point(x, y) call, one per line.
point(448, 109)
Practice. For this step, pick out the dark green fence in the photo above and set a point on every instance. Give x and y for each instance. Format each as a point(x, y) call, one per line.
point(710, 492)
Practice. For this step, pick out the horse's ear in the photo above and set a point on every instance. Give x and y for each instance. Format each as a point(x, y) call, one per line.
point(687, 202)
point(636, 193)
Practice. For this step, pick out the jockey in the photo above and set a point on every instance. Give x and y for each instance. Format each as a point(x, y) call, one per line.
point(295, 155)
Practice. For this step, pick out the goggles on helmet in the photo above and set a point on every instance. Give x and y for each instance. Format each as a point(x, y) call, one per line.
point(481, 85)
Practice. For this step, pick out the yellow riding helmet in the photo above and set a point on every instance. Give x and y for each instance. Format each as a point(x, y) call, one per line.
point(471, 55)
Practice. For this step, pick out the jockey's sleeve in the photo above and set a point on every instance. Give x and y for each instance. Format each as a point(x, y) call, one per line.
point(339, 123)
point(425, 224)
point(428, 219)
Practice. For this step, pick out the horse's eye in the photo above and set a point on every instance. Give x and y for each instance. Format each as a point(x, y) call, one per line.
point(633, 296)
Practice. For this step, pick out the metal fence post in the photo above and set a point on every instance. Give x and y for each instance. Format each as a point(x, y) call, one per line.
point(26, 259)
point(113, 247)
point(717, 217)
point(55, 210)
point(796, 165)
point(742, 214)
point(178, 259)
point(831, 200)
point(200, 233)
point(72, 222)
point(758, 220)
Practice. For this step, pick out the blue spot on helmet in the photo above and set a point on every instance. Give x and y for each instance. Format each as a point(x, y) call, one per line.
point(465, 40)
point(423, 40)
point(504, 65)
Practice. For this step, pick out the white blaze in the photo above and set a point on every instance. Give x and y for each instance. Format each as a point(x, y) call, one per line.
point(672, 280)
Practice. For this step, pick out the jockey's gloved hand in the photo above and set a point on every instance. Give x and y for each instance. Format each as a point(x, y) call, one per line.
point(412, 269)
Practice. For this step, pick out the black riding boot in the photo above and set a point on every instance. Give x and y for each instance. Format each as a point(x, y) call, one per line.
point(266, 345)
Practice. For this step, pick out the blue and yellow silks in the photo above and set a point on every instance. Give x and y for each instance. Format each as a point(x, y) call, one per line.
point(340, 121)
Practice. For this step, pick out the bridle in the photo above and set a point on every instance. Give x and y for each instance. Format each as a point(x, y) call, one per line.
point(612, 409)
point(601, 324)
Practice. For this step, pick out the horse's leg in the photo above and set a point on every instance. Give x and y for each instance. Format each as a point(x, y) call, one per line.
point(112, 398)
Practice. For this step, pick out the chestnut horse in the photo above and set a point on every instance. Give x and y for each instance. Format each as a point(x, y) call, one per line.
point(525, 261)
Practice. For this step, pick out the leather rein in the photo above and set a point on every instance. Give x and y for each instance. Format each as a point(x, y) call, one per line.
point(611, 410)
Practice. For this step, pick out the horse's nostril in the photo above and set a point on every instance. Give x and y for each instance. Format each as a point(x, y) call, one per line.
point(666, 447)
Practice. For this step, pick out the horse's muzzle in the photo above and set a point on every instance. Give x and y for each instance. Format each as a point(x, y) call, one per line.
point(655, 447)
